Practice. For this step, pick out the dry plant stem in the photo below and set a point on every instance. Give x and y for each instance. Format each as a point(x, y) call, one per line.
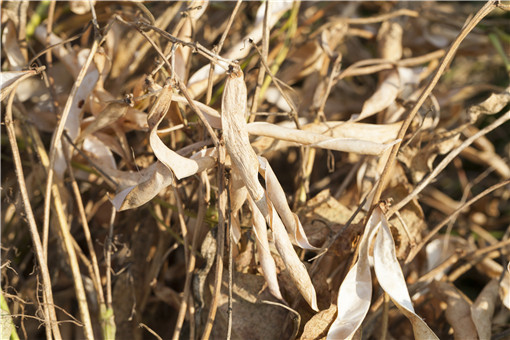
point(22, 27)
point(485, 10)
point(65, 233)
point(49, 29)
point(191, 264)
point(217, 50)
point(93, 164)
point(380, 18)
point(50, 317)
point(109, 249)
point(88, 236)
point(193, 45)
point(454, 153)
point(47, 49)
point(436, 229)
point(386, 309)
point(284, 47)
point(142, 325)
point(229, 239)
point(277, 84)
point(57, 137)
point(191, 318)
point(474, 258)
point(163, 21)
point(67, 241)
point(297, 315)
point(503, 6)
point(449, 261)
point(199, 113)
point(348, 179)
point(334, 73)
point(365, 67)
point(218, 273)
point(261, 75)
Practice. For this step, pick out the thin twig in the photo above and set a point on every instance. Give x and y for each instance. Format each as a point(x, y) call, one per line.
point(473, 259)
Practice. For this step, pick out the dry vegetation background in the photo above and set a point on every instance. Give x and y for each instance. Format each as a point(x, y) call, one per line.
point(342, 171)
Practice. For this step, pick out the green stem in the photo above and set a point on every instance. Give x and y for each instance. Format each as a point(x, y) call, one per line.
point(41, 12)
point(7, 321)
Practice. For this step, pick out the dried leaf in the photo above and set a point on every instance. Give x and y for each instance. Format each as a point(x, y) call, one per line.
point(211, 115)
point(316, 328)
point(356, 290)
point(81, 7)
point(495, 103)
point(158, 177)
point(421, 159)
point(72, 124)
point(383, 97)
point(277, 196)
point(101, 154)
point(69, 58)
point(198, 81)
point(9, 80)
point(306, 59)
point(243, 157)
point(154, 179)
point(389, 41)
point(264, 254)
point(377, 133)
point(390, 277)
point(482, 309)
point(296, 268)
point(504, 288)
point(458, 311)
point(318, 140)
point(235, 133)
point(180, 166)
point(238, 194)
point(11, 47)
point(108, 116)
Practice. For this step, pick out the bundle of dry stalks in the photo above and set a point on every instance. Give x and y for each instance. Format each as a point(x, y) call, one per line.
point(255, 170)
